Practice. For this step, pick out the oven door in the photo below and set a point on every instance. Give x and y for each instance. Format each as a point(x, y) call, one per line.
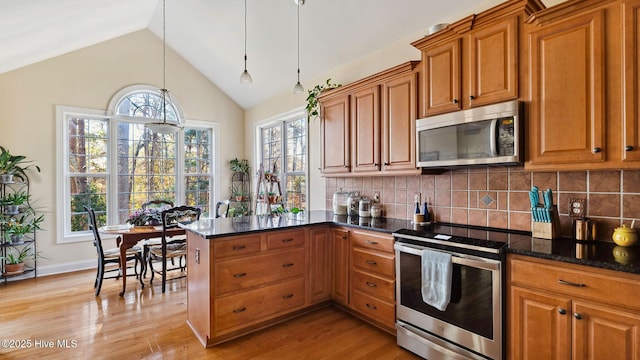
point(473, 318)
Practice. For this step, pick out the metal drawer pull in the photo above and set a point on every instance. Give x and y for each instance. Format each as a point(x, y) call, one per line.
point(564, 282)
point(372, 242)
point(287, 240)
point(372, 262)
point(344, 236)
point(238, 247)
point(239, 275)
point(287, 265)
point(236, 311)
point(372, 307)
point(562, 311)
point(577, 316)
point(370, 284)
point(288, 296)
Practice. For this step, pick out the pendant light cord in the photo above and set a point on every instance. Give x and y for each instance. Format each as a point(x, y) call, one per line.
point(299, 41)
point(245, 35)
point(164, 61)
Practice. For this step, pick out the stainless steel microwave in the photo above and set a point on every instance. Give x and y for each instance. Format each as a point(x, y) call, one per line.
point(487, 135)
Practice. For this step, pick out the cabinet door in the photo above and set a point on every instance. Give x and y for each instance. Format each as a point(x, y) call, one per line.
point(334, 130)
point(539, 325)
point(365, 125)
point(399, 124)
point(441, 68)
point(602, 332)
point(631, 49)
point(567, 77)
point(319, 264)
point(340, 271)
point(493, 63)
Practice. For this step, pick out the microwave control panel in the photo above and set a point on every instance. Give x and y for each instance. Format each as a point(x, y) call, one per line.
point(506, 139)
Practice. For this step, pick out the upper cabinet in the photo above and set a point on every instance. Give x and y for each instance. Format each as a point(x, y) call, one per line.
point(583, 112)
point(368, 127)
point(474, 61)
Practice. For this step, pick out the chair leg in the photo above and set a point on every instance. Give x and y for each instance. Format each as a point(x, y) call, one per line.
point(99, 278)
point(164, 274)
point(142, 268)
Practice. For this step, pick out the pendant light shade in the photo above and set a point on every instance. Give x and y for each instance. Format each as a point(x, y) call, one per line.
point(245, 77)
point(298, 88)
point(164, 127)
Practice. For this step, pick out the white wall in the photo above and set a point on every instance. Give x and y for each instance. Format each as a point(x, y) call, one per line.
point(88, 78)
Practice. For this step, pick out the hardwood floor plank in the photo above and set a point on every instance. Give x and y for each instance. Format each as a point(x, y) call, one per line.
point(58, 317)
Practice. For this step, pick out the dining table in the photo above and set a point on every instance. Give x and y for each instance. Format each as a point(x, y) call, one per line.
point(128, 236)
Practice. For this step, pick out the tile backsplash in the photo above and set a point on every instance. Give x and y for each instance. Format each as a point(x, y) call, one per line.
point(499, 196)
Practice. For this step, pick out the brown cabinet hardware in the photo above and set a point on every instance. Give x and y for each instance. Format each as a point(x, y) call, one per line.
point(239, 275)
point(237, 311)
point(564, 282)
point(287, 265)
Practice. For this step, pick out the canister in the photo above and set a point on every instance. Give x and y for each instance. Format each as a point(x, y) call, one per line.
point(340, 202)
point(364, 207)
point(352, 204)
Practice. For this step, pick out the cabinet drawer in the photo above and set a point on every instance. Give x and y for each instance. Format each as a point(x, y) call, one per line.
point(244, 309)
point(282, 239)
point(577, 280)
point(373, 308)
point(378, 263)
point(237, 246)
point(372, 241)
point(251, 271)
point(375, 286)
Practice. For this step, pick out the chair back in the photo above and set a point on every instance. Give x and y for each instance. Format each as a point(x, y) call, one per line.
point(97, 242)
point(222, 208)
point(178, 215)
point(157, 203)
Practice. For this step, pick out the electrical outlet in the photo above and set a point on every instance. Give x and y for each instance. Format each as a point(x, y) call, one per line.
point(577, 207)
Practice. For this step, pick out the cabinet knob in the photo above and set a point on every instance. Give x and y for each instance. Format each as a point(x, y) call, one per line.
point(455, 101)
point(628, 148)
point(386, 164)
point(346, 166)
point(344, 236)
point(596, 150)
point(577, 316)
point(471, 97)
point(562, 311)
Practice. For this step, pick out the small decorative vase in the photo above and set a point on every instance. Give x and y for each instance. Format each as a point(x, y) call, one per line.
point(6, 178)
point(12, 209)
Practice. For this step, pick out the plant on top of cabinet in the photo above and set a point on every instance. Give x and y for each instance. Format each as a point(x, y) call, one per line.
point(313, 110)
point(14, 165)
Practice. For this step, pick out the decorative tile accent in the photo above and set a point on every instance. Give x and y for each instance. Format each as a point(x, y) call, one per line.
point(487, 199)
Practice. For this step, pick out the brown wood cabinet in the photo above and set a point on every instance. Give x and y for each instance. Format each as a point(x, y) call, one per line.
point(372, 277)
point(340, 265)
point(566, 311)
point(474, 61)
point(242, 283)
point(368, 127)
point(584, 78)
point(319, 264)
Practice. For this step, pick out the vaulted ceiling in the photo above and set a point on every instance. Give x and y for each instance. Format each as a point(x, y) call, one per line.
point(209, 34)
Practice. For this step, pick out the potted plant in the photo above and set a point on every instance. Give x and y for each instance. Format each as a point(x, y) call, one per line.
point(14, 165)
point(239, 195)
point(14, 263)
point(16, 229)
point(12, 202)
point(239, 166)
point(312, 98)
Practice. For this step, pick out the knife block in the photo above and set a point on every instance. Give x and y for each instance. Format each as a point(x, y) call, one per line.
point(546, 230)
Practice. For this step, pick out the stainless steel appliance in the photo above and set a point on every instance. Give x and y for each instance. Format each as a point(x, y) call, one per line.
point(485, 135)
point(471, 326)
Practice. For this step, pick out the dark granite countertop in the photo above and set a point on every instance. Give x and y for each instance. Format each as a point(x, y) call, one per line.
point(606, 255)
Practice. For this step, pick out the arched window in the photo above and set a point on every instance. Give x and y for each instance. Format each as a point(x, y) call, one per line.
point(115, 163)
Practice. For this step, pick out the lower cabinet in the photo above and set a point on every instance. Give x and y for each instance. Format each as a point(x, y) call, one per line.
point(565, 311)
point(340, 265)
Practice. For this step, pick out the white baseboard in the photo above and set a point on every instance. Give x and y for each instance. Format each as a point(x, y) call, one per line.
point(66, 267)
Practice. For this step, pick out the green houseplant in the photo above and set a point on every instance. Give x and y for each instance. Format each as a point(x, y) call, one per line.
point(312, 98)
point(12, 202)
point(239, 166)
point(14, 165)
point(16, 228)
point(14, 261)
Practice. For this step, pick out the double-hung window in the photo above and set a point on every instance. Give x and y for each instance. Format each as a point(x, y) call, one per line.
point(114, 164)
point(283, 147)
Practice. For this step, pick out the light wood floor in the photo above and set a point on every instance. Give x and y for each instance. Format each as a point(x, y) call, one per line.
point(58, 317)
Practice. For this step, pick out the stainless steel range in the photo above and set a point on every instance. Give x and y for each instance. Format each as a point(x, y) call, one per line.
point(471, 325)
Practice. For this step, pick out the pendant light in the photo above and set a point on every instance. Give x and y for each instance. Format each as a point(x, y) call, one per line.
point(245, 78)
point(164, 127)
point(298, 88)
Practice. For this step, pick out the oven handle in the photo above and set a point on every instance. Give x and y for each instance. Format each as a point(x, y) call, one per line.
point(456, 258)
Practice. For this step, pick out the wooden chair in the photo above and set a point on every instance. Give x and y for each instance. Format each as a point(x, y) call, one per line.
point(111, 256)
point(170, 249)
point(222, 208)
point(157, 203)
point(153, 241)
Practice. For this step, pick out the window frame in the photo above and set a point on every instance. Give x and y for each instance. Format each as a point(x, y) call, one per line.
point(64, 113)
point(281, 120)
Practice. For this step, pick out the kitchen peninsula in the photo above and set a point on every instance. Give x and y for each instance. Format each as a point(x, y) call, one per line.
point(248, 273)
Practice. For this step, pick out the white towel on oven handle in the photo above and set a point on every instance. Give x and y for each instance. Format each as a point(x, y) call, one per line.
point(436, 278)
